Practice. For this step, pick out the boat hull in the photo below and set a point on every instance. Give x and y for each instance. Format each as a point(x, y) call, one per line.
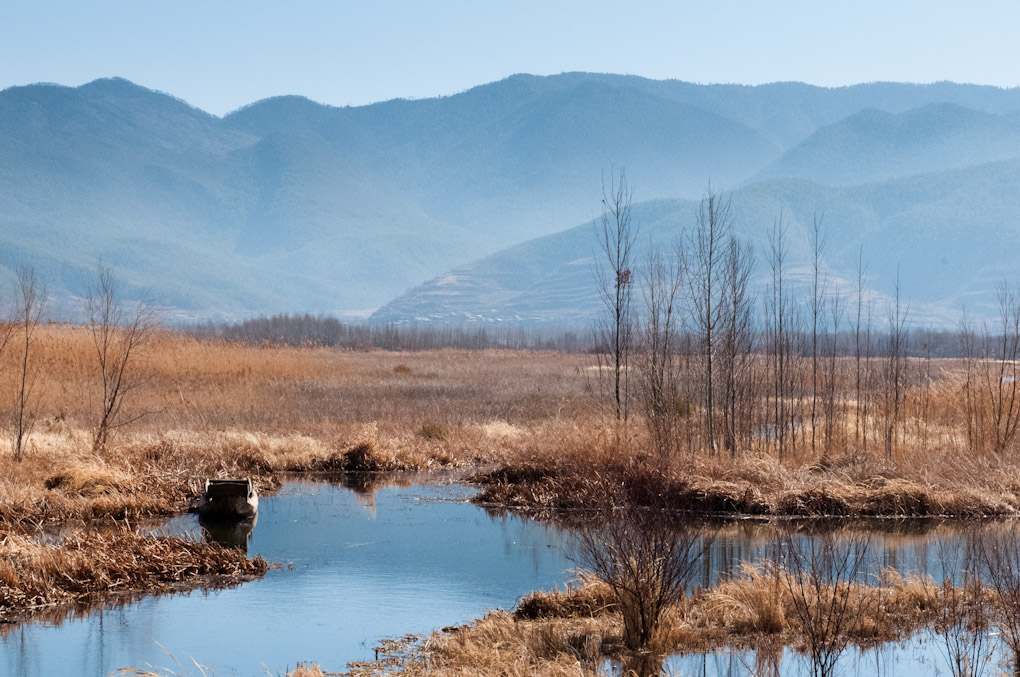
point(228, 500)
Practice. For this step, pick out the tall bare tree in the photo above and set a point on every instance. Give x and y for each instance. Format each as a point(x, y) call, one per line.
point(706, 250)
point(616, 236)
point(737, 343)
point(896, 367)
point(833, 408)
point(29, 305)
point(118, 334)
point(780, 354)
point(817, 305)
point(862, 356)
point(1002, 370)
point(660, 353)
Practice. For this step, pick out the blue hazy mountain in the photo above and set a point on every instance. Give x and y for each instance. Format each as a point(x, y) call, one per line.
point(289, 205)
point(874, 145)
point(950, 236)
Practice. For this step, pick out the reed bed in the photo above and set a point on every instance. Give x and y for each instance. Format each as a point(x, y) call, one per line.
point(89, 566)
point(571, 631)
point(759, 487)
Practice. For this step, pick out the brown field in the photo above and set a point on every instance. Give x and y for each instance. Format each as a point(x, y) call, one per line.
point(213, 409)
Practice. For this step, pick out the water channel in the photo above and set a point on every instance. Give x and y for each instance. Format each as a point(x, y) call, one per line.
point(404, 556)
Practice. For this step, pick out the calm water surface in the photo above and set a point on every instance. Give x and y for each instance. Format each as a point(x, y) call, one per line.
point(356, 567)
point(359, 565)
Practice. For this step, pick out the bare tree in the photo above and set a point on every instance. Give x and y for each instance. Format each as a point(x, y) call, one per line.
point(30, 304)
point(862, 348)
point(817, 304)
point(924, 373)
point(659, 355)
point(1001, 371)
point(960, 615)
point(780, 320)
point(648, 558)
point(999, 554)
point(833, 407)
point(737, 344)
point(118, 334)
point(821, 573)
point(707, 252)
point(616, 236)
point(896, 367)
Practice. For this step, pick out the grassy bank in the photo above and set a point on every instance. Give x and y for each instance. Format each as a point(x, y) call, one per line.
point(571, 632)
point(211, 409)
point(91, 567)
point(546, 487)
point(525, 423)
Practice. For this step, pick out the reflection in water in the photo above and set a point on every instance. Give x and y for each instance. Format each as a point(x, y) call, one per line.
point(641, 664)
point(229, 533)
point(914, 657)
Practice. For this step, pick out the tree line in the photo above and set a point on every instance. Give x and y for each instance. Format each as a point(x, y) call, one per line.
point(310, 330)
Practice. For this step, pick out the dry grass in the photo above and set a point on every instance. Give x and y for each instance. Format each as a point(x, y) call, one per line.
point(88, 567)
point(569, 632)
point(217, 409)
point(591, 470)
point(497, 644)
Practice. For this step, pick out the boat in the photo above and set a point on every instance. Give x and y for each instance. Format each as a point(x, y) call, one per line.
point(228, 500)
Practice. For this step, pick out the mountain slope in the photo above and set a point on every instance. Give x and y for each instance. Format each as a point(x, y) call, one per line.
point(874, 145)
point(949, 236)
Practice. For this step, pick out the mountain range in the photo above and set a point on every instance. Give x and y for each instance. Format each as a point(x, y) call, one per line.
point(467, 206)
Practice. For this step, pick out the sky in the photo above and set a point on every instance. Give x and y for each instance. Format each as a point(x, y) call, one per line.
point(222, 54)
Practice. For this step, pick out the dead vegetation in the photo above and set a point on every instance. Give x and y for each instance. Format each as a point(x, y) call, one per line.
point(88, 567)
point(216, 409)
point(572, 631)
point(599, 472)
point(538, 443)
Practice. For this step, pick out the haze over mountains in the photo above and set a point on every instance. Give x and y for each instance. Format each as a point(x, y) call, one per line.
point(288, 205)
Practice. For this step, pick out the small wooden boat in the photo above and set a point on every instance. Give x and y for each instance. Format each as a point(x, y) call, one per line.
point(228, 500)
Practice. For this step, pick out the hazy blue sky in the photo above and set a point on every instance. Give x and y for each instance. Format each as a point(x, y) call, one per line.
point(221, 54)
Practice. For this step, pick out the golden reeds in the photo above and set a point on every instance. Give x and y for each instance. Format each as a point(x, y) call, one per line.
point(88, 566)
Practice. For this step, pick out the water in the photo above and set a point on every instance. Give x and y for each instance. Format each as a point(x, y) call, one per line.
point(360, 565)
point(356, 567)
point(924, 655)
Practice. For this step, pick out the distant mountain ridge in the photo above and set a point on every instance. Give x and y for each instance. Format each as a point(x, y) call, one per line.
point(289, 205)
point(951, 236)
